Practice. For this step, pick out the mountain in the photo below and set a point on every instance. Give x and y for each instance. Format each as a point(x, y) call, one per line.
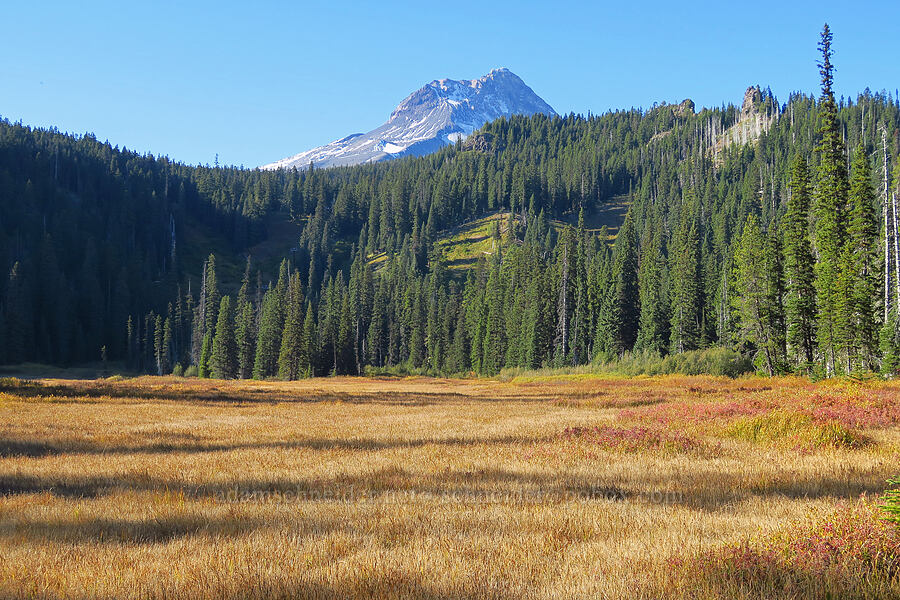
point(436, 115)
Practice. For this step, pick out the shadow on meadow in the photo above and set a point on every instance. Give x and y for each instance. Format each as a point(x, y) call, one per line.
point(136, 531)
point(80, 391)
point(38, 449)
point(396, 485)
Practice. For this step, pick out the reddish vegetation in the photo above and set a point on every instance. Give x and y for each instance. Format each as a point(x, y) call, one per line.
point(857, 408)
point(852, 550)
point(698, 412)
point(873, 408)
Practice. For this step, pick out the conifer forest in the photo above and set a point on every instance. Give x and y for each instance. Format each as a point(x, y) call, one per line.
point(768, 229)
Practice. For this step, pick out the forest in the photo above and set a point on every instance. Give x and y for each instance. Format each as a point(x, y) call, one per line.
point(769, 229)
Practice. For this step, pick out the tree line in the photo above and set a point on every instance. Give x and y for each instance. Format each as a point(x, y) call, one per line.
point(765, 247)
point(796, 285)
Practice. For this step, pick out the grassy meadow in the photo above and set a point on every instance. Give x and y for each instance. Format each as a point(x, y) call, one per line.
point(569, 486)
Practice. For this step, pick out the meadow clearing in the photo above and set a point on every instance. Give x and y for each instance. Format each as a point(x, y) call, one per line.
point(543, 487)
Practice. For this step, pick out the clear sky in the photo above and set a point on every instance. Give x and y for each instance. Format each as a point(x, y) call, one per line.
point(258, 81)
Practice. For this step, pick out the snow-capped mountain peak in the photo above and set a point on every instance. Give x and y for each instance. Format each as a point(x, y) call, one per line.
point(437, 114)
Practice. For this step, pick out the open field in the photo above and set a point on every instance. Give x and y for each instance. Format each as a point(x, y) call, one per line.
point(462, 246)
point(545, 487)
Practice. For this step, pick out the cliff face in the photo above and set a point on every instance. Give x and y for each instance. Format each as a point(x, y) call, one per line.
point(755, 118)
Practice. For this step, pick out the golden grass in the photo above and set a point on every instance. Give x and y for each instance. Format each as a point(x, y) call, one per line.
point(401, 487)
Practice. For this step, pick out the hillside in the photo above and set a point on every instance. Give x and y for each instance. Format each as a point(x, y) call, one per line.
point(461, 247)
point(61, 193)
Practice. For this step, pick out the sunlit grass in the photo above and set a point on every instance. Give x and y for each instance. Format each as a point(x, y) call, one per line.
point(797, 429)
point(573, 485)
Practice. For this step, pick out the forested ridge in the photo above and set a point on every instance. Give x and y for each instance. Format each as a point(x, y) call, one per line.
point(767, 228)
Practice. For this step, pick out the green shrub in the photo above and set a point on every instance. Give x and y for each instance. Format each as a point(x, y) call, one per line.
point(178, 370)
point(794, 428)
point(891, 499)
point(191, 371)
point(711, 361)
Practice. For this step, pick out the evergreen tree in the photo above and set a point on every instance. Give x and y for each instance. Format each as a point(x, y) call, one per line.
point(376, 337)
point(830, 213)
point(17, 316)
point(863, 239)
point(799, 264)
point(291, 359)
point(132, 343)
point(458, 358)
point(889, 345)
point(328, 322)
point(271, 324)
point(346, 361)
point(653, 322)
point(245, 331)
point(308, 342)
point(566, 268)
point(582, 323)
point(158, 349)
point(687, 300)
point(223, 363)
point(166, 354)
point(627, 298)
point(270, 332)
point(213, 299)
point(776, 290)
point(203, 368)
point(755, 302)
point(494, 324)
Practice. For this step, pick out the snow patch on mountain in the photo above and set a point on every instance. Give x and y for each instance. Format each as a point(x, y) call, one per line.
point(436, 115)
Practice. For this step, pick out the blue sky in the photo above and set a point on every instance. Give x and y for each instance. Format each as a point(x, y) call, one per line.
point(255, 82)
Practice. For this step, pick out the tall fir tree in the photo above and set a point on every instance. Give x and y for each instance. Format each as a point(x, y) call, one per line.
point(687, 282)
point(223, 363)
point(17, 315)
point(863, 240)
point(213, 298)
point(653, 323)
point(167, 349)
point(627, 297)
point(799, 267)
point(776, 290)
point(494, 325)
point(245, 326)
point(308, 342)
point(291, 359)
point(830, 215)
point(755, 301)
point(158, 348)
point(271, 323)
point(565, 275)
point(245, 331)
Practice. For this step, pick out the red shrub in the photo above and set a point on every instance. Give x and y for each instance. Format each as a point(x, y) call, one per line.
point(851, 552)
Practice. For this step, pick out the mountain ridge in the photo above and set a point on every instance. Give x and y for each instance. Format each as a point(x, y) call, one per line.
point(436, 115)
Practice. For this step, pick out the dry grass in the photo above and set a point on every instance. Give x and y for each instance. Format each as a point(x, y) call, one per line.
point(562, 487)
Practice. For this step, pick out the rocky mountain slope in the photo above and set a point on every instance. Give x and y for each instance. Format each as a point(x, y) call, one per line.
point(430, 118)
